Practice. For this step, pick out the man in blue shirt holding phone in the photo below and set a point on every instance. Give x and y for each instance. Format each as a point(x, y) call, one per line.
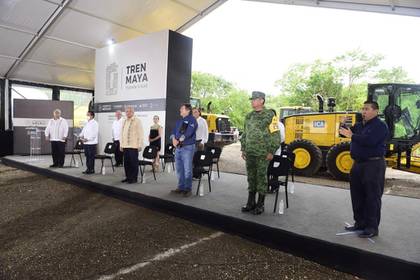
point(367, 176)
point(183, 139)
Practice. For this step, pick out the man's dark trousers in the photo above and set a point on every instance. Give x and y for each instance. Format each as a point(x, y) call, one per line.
point(367, 180)
point(118, 153)
point(131, 164)
point(57, 152)
point(90, 152)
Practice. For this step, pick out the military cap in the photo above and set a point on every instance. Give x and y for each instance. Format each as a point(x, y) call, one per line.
point(257, 94)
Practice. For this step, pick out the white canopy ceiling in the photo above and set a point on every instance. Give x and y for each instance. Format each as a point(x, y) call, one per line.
point(53, 41)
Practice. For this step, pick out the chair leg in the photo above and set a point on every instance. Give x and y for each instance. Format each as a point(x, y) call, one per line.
point(81, 160)
point(209, 176)
point(102, 165)
point(153, 170)
point(198, 186)
point(217, 165)
point(287, 195)
point(275, 201)
point(112, 164)
point(72, 159)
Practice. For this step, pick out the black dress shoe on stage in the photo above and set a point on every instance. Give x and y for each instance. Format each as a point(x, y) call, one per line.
point(354, 227)
point(369, 233)
point(53, 166)
point(131, 181)
point(187, 193)
point(177, 191)
point(124, 181)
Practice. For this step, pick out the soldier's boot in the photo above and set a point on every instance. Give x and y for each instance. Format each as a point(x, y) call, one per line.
point(259, 209)
point(250, 205)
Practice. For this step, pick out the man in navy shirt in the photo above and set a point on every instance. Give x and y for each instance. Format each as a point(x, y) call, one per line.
point(183, 138)
point(367, 176)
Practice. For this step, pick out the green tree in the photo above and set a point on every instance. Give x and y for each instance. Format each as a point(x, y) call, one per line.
point(225, 98)
point(393, 75)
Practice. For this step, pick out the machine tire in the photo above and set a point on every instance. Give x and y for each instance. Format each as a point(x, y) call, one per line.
point(304, 148)
point(339, 161)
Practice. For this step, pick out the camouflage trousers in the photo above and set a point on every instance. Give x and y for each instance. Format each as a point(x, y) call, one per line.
point(256, 168)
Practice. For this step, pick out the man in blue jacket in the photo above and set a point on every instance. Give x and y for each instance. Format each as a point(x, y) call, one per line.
point(183, 138)
point(367, 176)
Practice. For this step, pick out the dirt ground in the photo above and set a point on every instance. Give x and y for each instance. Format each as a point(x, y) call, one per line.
point(397, 182)
point(54, 230)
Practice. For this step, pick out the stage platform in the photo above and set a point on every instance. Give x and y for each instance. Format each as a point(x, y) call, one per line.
point(308, 228)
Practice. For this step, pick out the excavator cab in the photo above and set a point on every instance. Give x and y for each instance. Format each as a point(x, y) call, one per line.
point(399, 106)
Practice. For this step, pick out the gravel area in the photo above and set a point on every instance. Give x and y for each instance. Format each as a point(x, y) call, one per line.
point(54, 230)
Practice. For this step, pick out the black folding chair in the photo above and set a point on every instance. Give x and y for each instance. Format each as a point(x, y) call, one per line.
point(168, 156)
point(216, 153)
point(279, 166)
point(108, 154)
point(203, 163)
point(149, 154)
point(77, 150)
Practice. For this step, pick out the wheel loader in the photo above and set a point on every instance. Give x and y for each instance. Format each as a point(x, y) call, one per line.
point(315, 140)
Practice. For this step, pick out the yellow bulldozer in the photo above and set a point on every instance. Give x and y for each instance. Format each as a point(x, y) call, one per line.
point(315, 140)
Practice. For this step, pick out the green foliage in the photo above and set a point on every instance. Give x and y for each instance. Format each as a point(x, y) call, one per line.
point(345, 78)
point(393, 75)
point(225, 98)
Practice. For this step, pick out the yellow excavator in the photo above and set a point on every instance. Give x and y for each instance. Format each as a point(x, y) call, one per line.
point(315, 140)
point(220, 133)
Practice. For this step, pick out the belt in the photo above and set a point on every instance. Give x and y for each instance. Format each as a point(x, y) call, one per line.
point(369, 159)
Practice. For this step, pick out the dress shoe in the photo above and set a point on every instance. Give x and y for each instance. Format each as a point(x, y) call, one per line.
point(369, 233)
point(354, 227)
point(53, 166)
point(132, 181)
point(177, 191)
point(187, 193)
point(124, 181)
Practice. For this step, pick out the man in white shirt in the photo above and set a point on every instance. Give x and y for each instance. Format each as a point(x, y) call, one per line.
point(56, 132)
point(116, 133)
point(282, 137)
point(202, 132)
point(89, 136)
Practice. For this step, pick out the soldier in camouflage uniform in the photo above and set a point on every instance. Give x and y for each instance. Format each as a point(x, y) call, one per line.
point(259, 141)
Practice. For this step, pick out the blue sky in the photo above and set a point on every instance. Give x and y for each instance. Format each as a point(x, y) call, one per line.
point(252, 44)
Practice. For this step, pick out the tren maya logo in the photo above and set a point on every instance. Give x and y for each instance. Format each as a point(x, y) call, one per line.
point(135, 76)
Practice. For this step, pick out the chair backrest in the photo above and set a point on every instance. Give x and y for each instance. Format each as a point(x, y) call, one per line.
point(215, 151)
point(150, 152)
point(291, 155)
point(169, 149)
point(78, 145)
point(109, 148)
point(202, 159)
point(279, 166)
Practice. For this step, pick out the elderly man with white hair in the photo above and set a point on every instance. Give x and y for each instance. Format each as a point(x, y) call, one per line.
point(56, 132)
point(131, 143)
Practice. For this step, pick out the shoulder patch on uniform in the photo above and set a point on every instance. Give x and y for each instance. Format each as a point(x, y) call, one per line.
point(274, 125)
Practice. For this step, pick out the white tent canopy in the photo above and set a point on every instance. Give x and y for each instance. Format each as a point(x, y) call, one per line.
point(54, 41)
